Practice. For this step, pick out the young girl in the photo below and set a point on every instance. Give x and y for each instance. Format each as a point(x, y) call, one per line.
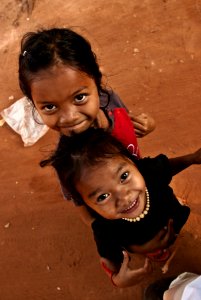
point(59, 74)
point(131, 199)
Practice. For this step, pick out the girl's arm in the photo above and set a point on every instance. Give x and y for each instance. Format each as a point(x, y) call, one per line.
point(143, 124)
point(178, 164)
point(161, 240)
point(124, 276)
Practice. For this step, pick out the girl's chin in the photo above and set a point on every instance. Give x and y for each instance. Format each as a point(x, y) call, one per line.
point(134, 215)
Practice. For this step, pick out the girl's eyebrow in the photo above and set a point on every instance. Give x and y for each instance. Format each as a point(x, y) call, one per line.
point(79, 90)
point(121, 166)
point(45, 102)
point(99, 189)
point(92, 194)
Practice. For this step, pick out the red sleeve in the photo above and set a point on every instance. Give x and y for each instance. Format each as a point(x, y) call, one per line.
point(123, 130)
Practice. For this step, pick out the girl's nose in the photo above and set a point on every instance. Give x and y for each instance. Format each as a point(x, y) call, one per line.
point(122, 196)
point(68, 116)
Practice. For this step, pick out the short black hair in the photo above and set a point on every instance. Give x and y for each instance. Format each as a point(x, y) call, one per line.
point(75, 153)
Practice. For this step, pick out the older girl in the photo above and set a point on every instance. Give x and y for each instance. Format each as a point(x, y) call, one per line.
point(59, 74)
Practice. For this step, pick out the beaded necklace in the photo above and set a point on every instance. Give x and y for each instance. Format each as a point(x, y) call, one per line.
point(145, 211)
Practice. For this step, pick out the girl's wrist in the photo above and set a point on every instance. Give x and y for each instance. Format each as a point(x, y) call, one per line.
point(109, 272)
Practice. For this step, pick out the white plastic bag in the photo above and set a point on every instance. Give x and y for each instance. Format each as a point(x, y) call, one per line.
point(19, 116)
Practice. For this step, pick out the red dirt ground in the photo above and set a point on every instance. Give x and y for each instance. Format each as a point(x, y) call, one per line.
point(46, 252)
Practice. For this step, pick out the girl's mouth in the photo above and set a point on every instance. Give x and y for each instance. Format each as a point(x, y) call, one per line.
point(131, 207)
point(74, 128)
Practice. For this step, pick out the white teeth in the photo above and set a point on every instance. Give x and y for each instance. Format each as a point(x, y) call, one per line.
point(131, 205)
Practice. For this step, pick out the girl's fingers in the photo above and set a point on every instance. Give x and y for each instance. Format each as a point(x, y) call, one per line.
point(139, 126)
point(148, 265)
point(165, 233)
point(138, 119)
point(125, 262)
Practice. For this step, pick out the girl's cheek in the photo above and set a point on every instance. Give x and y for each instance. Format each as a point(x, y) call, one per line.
point(43, 117)
point(47, 121)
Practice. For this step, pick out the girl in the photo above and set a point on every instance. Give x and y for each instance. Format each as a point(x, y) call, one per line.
point(131, 199)
point(59, 74)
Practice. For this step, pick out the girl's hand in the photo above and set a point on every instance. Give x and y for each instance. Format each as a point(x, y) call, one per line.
point(162, 240)
point(143, 124)
point(126, 277)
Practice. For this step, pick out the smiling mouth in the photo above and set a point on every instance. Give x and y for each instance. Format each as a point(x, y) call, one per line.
point(73, 127)
point(131, 207)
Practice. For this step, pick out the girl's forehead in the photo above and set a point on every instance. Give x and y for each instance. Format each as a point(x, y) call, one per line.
point(59, 70)
point(59, 81)
point(114, 163)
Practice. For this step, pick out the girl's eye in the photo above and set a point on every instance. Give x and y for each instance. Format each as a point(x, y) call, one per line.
point(102, 197)
point(124, 176)
point(80, 98)
point(49, 107)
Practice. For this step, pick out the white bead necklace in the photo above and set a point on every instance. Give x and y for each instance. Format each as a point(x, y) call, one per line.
point(144, 213)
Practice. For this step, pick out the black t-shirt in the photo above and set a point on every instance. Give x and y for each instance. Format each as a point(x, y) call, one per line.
point(112, 236)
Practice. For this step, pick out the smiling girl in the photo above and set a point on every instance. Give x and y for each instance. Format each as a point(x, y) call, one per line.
point(130, 198)
point(60, 75)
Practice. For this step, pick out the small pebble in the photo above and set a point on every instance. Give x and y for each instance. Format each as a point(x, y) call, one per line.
point(7, 225)
point(136, 50)
point(11, 97)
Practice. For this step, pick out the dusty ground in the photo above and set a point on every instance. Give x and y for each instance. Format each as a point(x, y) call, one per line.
point(151, 54)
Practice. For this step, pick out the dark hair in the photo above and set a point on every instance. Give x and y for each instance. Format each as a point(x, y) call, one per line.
point(43, 49)
point(87, 149)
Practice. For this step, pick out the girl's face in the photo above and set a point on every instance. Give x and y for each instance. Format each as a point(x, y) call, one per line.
point(66, 99)
point(115, 189)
